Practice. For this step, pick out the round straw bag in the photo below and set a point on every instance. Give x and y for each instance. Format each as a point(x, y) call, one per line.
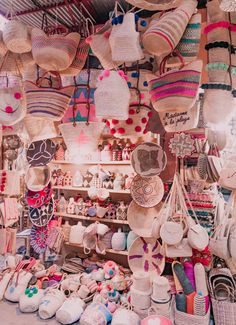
point(216, 53)
point(164, 34)
point(16, 36)
point(155, 4)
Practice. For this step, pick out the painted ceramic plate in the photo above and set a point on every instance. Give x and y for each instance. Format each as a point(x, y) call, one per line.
point(38, 238)
point(141, 219)
point(41, 216)
point(40, 153)
point(147, 191)
point(36, 199)
point(145, 256)
point(148, 159)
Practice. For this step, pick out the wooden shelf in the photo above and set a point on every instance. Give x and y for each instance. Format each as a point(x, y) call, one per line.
point(110, 251)
point(85, 189)
point(64, 162)
point(74, 216)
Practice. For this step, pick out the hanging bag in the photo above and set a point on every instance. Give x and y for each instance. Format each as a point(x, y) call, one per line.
point(112, 96)
point(16, 34)
point(47, 102)
point(175, 90)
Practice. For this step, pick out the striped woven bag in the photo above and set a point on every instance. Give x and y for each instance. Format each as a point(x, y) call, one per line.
point(175, 90)
point(47, 102)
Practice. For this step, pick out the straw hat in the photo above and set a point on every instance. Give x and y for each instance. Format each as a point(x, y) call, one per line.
point(140, 259)
point(40, 153)
point(164, 34)
point(41, 216)
point(148, 159)
point(37, 178)
point(141, 219)
point(155, 4)
point(147, 191)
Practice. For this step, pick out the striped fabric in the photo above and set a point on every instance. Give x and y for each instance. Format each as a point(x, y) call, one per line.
point(176, 88)
point(47, 102)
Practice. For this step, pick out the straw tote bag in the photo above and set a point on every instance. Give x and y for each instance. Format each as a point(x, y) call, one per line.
point(47, 102)
point(54, 52)
point(183, 121)
point(112, 96)
point(228, 5)
point(176, 90)
point(164, 34)
point(155, 5)
point(124, 40)
point(228, 175)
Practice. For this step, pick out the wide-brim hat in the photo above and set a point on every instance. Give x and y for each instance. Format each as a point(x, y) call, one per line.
point(141, 219)
point(147, 191)
point(155, 4)
point(37, 178)
point(41, 216)
point(36, 199)
point(39, 128)
point(148, 159)
point(145, 255)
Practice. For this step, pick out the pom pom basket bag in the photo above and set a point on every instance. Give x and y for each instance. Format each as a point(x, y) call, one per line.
point(175, 90)
point(155, 5)
point(47, 102)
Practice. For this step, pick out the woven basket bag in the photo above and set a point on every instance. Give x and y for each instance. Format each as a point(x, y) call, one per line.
point(124, 40)
point(112, 96)
point(47, 102)
point(16, 36)
point(54, 52)
point(175, 90)
point(164, 34)
point(218, 31)
point(184, 318)
point(3, 48)
point(228, 5)
point(224, 312)
point(218, 72)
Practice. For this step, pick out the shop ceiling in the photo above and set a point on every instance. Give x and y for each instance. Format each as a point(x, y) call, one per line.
point(65, 12)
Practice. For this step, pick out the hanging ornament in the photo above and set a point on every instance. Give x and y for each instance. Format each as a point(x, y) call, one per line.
point(181, 145)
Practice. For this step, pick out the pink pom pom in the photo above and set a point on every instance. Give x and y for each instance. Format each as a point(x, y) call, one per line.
point(88, 40)
point(100, 78)
point(106, 73)
point(17, 95)
point(107, 34)
point(9, 109)
point(121, 73)
point(142, 96)
point(125, 77)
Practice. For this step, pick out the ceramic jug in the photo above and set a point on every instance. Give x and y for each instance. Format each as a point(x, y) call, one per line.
point(62, 204)
point(71, 206)
point(106, 153)
point(66, 230)
point(77, 233)
point(118, 182)
point(118, 241)
point(77, 180)
point(130, 238)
